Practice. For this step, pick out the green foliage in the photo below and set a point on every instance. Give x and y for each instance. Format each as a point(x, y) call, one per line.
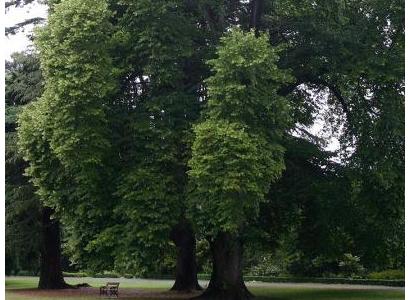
point(79, 78)
point(153, 132)
point(23, 85)
point(244, 84)
point(26, 273)
point(156, 25)
point(203, 256)
point(350, 265)
point(23, 79)
point(354, 49)
point(75, 274)
point(266, 266)
point(65, 135)
point(43, 166)
point(150, 206)
point(387, 274)
point(106, 275)
point(11, 116)
point(236, 155)
point(110, 139)
point(229, 169)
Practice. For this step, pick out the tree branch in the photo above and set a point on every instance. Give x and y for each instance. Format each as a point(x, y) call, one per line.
point(17, 3)
point(286, 90)
point(15, 28)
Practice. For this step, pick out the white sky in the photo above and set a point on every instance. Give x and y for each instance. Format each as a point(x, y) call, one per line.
point(14, 15)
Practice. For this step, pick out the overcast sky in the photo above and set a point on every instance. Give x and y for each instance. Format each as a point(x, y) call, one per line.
point(15, 15)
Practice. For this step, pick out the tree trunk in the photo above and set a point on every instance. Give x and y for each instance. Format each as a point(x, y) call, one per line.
point(256, 14)
point(186, 269)
point(226, 280)
point(51, 275)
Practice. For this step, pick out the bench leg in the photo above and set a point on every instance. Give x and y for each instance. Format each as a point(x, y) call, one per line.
point(103, 291)
point(114, 293)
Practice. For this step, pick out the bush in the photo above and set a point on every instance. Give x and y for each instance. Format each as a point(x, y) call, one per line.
point(106, 275)
point(266, 266)
point(350, 266)
point(387, 274)
point(26, 273)
point(75, 274)
point(325, 280)
point(128, 276)
point(316, 280)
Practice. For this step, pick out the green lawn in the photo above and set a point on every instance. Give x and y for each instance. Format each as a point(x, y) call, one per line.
point(262, 291)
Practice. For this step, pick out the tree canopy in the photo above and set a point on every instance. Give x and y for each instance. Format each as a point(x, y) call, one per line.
point(160, 120)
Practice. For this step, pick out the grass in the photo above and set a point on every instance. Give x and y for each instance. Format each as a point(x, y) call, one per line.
point(324, 294)
point(261, 290)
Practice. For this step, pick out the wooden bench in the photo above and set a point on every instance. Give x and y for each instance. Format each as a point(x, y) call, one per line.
point(110, 289)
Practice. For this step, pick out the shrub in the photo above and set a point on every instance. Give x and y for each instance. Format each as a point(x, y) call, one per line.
point(75, 274)
point(350, 265)
point(25, 273)
point(387, 274)
point(266, 266)
point(106, 275)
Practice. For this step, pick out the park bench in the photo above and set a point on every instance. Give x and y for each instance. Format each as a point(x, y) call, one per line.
point(110, 289)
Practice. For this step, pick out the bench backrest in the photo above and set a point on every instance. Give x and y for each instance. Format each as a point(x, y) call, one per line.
point(112, 284)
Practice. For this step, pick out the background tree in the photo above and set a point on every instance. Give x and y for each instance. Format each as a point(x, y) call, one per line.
point(151, 116)
point(363, 72)
point(353, 52)
point(22, 207)
point(23, 85)
point(157, 155)
point(33, 233)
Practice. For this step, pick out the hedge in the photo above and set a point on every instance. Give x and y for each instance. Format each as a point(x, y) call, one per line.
point(399, 283)
point(75, 274)
point(388, 274)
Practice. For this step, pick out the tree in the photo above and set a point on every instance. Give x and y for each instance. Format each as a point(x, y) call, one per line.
point(64, 161)
point(79, 125)
point(157, 103)
point(110, 140)
point(51, 276)
point(24, 82)
point(22, 206)
point(354, 50)
point(311, 203)
point(236, 152)
point(30, 224)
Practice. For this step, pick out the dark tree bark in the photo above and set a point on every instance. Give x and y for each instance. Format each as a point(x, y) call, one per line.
point(256, 14)
point(186, 269)
point(51, 275)
point(226, 280)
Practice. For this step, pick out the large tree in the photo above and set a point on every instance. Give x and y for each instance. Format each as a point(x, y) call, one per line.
point(237, 152)
point(155, 102)
point(353, 50)
point(63, 160)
